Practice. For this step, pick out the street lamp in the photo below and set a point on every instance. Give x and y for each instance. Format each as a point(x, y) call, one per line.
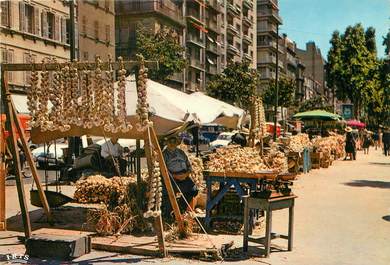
point(276, 83)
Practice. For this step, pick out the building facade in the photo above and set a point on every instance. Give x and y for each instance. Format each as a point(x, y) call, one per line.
point(268, 21)
point(96, 29)
point(31, 31)
point(315, 66)
point(213, 32)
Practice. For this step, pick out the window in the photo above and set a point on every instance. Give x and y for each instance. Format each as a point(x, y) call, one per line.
point(96, 29)
point(85, 56)
point(27, 74)
point(5, 13)
point(84, 25)
point(29, 19)
point(107, 5)
point(108, 33)
point(68, 31)
point(7, 56)
point(50, 25)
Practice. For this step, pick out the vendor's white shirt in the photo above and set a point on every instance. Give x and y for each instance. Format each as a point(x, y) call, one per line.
point(108, 148)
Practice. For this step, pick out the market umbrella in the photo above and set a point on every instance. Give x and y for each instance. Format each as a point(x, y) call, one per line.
point(356, 123)
point(321, 115)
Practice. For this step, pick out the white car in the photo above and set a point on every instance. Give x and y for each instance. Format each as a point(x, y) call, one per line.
point(53, 156)
point(223, 139)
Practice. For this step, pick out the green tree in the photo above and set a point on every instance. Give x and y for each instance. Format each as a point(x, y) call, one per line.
point(354, 66)
point(164, 47)
point(235, 85)
point(333, 65)
point(286, 92)
point(386, 43)
point(318, 102)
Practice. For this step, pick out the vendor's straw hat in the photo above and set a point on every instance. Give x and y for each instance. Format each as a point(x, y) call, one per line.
point(348, 129)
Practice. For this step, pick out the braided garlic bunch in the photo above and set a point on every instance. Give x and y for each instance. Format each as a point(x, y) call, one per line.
point(109, 98)
point(43, 97)
point(55, 97)
point(121, 99)
point(142, 105)
point(98, 95)
point(32, 98)
point(155, 193)
point(86, 99)
point(66, 104)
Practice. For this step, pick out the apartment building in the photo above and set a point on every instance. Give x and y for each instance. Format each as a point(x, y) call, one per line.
point(315, 66)
point(214, 33)
point(268, 21)
point(31, 31)
point(96, 29)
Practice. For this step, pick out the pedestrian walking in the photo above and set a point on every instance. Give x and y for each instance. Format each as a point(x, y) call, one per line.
point(350, 144)
point(366, 142)
point(375, 138)
point(386, 142)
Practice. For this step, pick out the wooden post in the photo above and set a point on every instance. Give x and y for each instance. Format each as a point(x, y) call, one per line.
point(6, 97)
point(3, 223)
point(31, 163)
point(167, 181)
point(246, 223)
point(158, 225)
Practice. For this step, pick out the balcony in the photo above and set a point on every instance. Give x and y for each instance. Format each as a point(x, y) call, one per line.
point(248, 20)
point(214, 4)
point(292, 61)
point(233, 10)
point(213, 26)
point(233, 30)
point(168, 10)
point(231, 48)
point(212, 69)
point(196, 63)
point(195, 40)
point(270, 28)
point(248, 4)
point(247, 39)
point(195, 16)
point(270, 13)
point(272, 2)
point(248, 57)
point(212, 47)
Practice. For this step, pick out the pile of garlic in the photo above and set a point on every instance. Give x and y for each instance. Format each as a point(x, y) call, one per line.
point(299, 142)
point(276, 160)
point(97, 188)
point(236, 159)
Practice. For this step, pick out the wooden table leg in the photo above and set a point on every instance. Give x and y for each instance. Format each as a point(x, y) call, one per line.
point(290, 227)
point(268, 230)
point(246, 223)
point(209, 183)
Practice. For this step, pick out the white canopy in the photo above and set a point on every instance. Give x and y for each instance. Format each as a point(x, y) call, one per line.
point(172, 108)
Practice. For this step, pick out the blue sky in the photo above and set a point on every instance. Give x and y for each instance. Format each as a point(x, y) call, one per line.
point(315, 20)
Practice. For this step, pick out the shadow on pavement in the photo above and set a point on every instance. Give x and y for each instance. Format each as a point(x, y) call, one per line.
point(386, 218)
point(380, 164)
point(369, 183)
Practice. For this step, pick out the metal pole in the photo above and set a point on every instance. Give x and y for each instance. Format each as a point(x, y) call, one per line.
point(276, 83)
point(72, 38)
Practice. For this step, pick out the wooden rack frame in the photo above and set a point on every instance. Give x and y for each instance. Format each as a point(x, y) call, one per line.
point(13, 123)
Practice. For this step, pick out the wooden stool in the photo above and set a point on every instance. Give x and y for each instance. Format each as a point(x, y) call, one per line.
point(268, 205)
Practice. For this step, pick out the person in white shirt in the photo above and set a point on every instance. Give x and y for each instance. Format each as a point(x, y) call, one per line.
point(112, 150)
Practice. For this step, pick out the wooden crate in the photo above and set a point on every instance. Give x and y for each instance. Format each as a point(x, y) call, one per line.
point(316, 159)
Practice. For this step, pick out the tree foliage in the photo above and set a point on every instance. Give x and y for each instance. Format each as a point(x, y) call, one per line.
point(386, 43)
point(353, 67)
point(318, 102)
point(286, 92)
point(235, 85)
point(164, 47)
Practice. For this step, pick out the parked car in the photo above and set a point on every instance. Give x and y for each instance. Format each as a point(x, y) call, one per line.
point(223, 139)
point(49, 155)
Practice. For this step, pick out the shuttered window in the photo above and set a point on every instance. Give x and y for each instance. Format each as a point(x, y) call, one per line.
point(5, 13)
point(50, 25)
point(29, 19)
point(96, 29)
point(108, 34)
point(7, 56)
point(27, 74)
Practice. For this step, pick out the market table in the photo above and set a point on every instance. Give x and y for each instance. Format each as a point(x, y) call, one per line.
point(228, 180)
point(269, 205)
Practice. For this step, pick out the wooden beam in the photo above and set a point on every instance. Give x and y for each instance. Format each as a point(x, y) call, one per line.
point(158, 225)
point(6, 97)
point(166, 178)
point(31, 163)
point(3, 224)
point(129, 65)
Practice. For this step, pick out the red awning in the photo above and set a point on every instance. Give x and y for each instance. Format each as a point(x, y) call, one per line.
point(201, 28)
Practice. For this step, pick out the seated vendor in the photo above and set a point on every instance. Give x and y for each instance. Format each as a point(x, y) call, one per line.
point(179, 168)
point(112, 150)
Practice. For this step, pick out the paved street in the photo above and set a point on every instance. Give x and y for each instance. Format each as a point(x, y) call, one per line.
point(342, 217)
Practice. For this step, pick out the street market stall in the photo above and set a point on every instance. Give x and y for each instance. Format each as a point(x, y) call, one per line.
point(84, 100)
